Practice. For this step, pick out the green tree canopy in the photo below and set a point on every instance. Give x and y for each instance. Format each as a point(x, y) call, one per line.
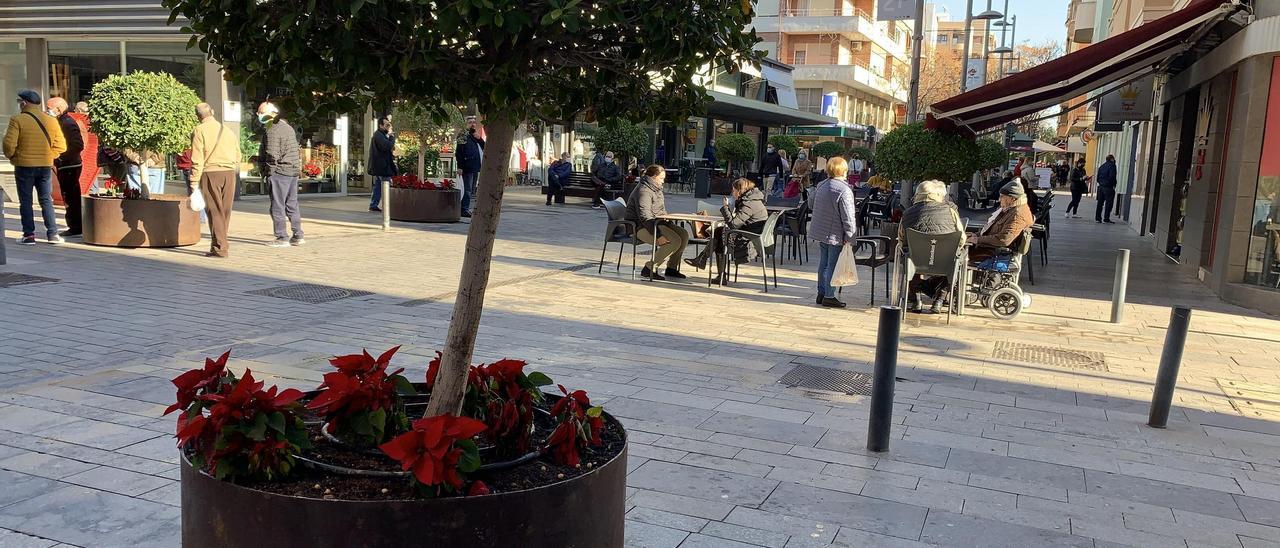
point(827, 149)
point(786, 143)
point(143, 111)
point(623, 138)
point(991, 154)
point(435, 125)
point(861, 152)
point(913, 153)
point(512, 59)
point(736, 148)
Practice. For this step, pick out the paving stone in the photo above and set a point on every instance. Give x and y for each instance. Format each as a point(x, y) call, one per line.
point(1019, 487)
point(728, 465)
point(1266, 512)
point(89, 517)
point(644, 535)
point(704, 541)
point(666, 519)
point(715, 485)
point(19, 486)
point(696, 446)
point(102, 435)
point(657, 412)
point(118, 481)
point(750, 443)
point(751, 536)
point(44, 465)
point(764, 411)
point(950, 529)
point(1183, 477)
point(838, 457)
point(1195, 499)
point(859, 512)
point(957, 441)
point(763, 428)
point(13, 539)
point(815, 530)
point(677, 398)
point(170, 494)
point(656, 453)
point(1030, 471)
point(688, 506)
point(16, 418)
point(899, 450)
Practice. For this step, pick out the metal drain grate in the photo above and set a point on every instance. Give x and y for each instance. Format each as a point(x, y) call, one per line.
point(11, 279)
point(1050, 355)
point(826, 378)
point(310, 293)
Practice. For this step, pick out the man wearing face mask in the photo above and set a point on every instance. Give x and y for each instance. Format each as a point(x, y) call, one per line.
point(278, 156)
point(607, 174)
point(67, 165)
point(470, 155)
point(771, 172)
point(31, 143)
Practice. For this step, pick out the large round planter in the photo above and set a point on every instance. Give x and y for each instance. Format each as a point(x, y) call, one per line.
point(582, 512)
point(166, 220)
point(426, 206)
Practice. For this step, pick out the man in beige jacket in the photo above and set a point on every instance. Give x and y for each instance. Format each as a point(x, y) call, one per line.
point(215, 157)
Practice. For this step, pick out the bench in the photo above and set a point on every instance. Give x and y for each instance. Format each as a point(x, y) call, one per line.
point(580, 185)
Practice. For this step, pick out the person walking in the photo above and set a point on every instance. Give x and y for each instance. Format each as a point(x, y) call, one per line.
point(382, 162)
point(558, 176)
point(68, 165)
point(281, 165)
point(771, 172)
point(1079, 186)
point(215, 159)
point(606, 175)
point(834, 224)
point(470, 157)
point(709, 154)
point(31, 143)
point(1106, 190)
point(644, 205)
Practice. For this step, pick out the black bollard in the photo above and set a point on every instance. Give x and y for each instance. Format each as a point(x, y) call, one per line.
point(882, 384)
point(1170, 359)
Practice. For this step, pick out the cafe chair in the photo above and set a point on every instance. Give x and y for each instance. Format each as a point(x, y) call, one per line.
point(620, 231)
point(764, 242)
point(934, 255)
point(879, 249)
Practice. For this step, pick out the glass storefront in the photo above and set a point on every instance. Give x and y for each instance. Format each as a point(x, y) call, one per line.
point(167, 57)
point(13, 77)
point(1263, 264)
point(75, 66)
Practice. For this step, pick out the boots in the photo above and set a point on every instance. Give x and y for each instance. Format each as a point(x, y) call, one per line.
point(939, 302)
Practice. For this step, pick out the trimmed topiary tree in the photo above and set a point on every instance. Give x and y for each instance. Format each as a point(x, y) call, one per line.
point(736, 148)
point(513, 59)
point(785, 143)
point(144, 112)
point(434, 126)
point(991, 154)
point(861, 152)
point(913, 153)
point(826, 149)
point(625, 139)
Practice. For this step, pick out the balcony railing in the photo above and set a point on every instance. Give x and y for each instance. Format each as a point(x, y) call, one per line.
point(866, 24)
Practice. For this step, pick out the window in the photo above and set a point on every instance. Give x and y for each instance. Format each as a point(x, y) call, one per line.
point(799, 57)
point(13, 77)
point(809, 99)
point(74, 67)
point(168, 57)
point(942, 39)
point(1263, 264)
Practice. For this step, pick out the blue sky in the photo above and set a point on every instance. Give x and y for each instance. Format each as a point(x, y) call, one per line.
point(1038, 20)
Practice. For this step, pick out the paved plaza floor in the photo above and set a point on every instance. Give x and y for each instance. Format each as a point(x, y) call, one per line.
point(994, 444)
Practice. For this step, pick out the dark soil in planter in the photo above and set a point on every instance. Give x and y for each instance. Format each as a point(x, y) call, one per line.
point(311, 483)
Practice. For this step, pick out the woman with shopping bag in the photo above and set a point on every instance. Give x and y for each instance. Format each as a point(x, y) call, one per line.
point(834, 227)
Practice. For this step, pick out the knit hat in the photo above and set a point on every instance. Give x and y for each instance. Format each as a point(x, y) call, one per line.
point(30, 95)
point(1013, 188)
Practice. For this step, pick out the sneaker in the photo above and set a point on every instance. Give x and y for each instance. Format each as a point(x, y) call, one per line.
point(1066, 215)
point(297, 240)
point(68, 234)
point(1109, 221)
point(819, 299)
point(647, 273)
point(56, 239)
point(466, 214)
point(375, 209)
point(832, 302)
point(27, 240)
point(674, 274)
point(278, 242)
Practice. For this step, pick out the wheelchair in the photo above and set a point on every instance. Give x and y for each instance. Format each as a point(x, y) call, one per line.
point(993, 283)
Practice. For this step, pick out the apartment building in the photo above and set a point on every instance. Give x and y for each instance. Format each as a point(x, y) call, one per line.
point(949, 36)
point(847, 64)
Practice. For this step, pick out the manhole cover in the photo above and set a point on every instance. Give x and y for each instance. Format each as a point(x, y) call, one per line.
point(310, 293)
point(826, 378)
point(1050, 355)
point(10, 279)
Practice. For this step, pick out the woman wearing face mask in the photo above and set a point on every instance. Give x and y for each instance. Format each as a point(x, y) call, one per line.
point(745, 212)
point(800, 173)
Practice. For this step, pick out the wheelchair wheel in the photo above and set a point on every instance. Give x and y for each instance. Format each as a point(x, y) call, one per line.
point(1005, 303)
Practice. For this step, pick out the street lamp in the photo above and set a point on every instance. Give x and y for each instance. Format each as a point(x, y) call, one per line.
point(988, 16)
point(1004, 50)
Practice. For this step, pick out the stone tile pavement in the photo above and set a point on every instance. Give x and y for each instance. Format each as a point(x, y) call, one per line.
point(986, 451)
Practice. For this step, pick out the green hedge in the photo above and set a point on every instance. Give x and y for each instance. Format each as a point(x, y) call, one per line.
point(143, 111)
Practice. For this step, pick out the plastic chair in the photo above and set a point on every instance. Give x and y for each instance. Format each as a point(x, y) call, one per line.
point(621, 231)
point(934, 255)
point(793, 230)
point(764, 244)
point(878, 256)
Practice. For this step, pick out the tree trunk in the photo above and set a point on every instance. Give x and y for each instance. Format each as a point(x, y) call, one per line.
point(422, 174)
point(144, 190)
point(451, 381)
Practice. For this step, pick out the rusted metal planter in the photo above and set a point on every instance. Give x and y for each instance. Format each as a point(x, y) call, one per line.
point(426, 206)
point(166, 220)
point(583, 512)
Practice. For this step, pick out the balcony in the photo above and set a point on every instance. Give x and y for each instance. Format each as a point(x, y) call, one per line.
point(1080, 20)
point(856, 76)
point(853, 23)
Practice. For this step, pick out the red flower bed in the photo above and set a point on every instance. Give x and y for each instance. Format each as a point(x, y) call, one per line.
point(412, 182)
point(311, 170)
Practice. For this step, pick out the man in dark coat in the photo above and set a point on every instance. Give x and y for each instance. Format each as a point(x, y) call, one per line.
point(382, 162)
point(470, 155)
point(281, 164)
point(709, 154)
point(771, 172)
point(1106, 190)
point(1079, 186)
point(558, 176)
point(607, 175)
point(67, 165)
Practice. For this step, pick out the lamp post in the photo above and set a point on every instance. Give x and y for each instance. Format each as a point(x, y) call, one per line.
point(913, 97)
point(1011, 25)
point(986, 16)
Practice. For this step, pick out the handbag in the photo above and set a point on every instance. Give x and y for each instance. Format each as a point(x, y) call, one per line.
point(196, 203)
point(792, 189)
point(846, 269)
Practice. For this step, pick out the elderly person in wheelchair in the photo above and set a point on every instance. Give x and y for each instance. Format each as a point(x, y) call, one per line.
point(931, 214)
point(996, 254)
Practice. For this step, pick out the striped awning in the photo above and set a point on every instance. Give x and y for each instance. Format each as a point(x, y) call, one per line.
point(1120, 58)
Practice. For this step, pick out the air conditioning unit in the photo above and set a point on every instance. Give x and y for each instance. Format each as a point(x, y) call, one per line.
point(856, 46)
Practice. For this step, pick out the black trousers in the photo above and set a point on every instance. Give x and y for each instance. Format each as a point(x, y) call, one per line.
point(1106, 196)
point(1074, 207)
point(555, 190)
point(69, 185)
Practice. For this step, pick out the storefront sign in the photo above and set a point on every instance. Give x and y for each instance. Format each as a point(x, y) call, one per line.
point(975, 73)
point(830, 105)
point(895, 10)
point(827, 131)
point(1130, 103)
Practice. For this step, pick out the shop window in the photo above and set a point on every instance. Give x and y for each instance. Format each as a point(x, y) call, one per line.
point(13, 77)
point(74, 67)
point(1263, 264)
point(167, 57)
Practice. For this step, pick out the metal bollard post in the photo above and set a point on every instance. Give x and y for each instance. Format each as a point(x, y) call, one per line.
point(882, 384)
point(386, 201)
point(1118, 287)
point(1170, 359)
point(3, 258)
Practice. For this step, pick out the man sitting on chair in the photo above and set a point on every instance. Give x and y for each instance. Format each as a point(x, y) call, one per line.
point(930, 213)
point(1005, 226)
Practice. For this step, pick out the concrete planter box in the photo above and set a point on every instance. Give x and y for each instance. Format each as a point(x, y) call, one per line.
point(425, 206)
point(163, 221)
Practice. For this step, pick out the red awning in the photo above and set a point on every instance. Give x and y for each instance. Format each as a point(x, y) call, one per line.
point(1117, 59)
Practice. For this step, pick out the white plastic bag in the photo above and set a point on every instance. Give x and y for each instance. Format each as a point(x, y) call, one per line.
point(846, 270)
point(197, 201)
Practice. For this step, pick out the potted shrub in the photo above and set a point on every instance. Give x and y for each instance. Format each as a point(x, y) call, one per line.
point(785, 143)
point(289, 468)
point(520, 61)
point(145, 112)
point(911, 153)
point(427, 129)
point(737, 149)
point(420, 200)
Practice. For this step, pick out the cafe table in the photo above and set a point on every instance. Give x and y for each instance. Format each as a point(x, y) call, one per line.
point(713, 221)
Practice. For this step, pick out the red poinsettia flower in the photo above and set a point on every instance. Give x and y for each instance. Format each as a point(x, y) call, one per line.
point(430, 449)
point(433, 369)
point(363, 363)
point(579, 426)
point(477, 488)
point(191, 383)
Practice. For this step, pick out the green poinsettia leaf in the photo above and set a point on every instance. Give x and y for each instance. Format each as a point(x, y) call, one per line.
point(470, 460)
point(258, 431)
point(595, 412)
point(538, 378)
point(276, 421)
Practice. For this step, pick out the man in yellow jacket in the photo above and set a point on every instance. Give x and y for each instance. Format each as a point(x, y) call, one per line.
point(31, 143)
point(215, 159)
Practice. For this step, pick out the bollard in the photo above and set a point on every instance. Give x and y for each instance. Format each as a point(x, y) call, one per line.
point(1170, 359)
point(882, 384)
point(1119, 285)
point(3, 258)
point(386, 201)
